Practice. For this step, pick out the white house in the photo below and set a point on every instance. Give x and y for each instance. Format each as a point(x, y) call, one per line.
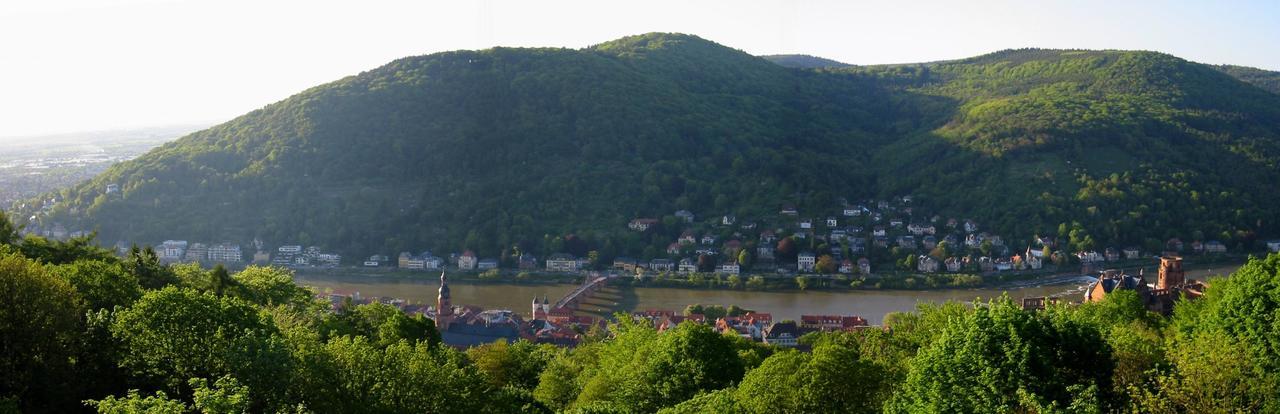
point(561, 262)
point(806, 261)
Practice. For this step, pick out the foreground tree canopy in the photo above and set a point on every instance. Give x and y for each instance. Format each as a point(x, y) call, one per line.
point(80, 332)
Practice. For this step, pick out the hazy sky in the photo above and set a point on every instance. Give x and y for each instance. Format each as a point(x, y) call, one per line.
point(70, 65)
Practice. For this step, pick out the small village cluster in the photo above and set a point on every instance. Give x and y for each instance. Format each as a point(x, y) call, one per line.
point(726, 245)
point(883, 224)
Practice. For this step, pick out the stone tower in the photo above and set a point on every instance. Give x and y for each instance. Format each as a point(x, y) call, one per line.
point(444, 308)
point(541, 309)
point(1171, 274)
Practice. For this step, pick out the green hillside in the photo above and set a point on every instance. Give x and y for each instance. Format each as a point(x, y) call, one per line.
point(502, 147)
point(1265, 79)
point(805, 61)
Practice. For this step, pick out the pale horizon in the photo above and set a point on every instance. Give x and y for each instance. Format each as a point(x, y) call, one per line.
point(86, 65)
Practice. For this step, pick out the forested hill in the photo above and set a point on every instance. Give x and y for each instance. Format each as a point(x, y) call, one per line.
point(805, 61)
point(502, 147)
point(1265, 79)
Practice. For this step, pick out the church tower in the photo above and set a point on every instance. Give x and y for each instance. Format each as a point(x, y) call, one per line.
point(1171, 274)
point(444, 308)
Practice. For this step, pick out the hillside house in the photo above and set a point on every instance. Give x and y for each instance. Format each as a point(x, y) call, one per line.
point(878, 231)
point(1111, 254)
point(864, 266)
point(642, 224)
point(846, 266)
point(708, 240)
point(487, 264)
point(985, 264)
point(921, 229)
point(1090, 257)
point(561, 262)
point(1273, 245)
point(673, 248)
point(527, 262)
point(173, 249)
point(832, 222)
point(806, 224)
point(805, 261)
point(764, 252)
point(225, 253)
point(1131, 253)
point(929, 242)
point(728, 219)
point(625, 264)
point(467, 261)
point(907, 242)
point(789, 210)
point(970, 226)
point(1214, 246)
point(730, 268)
point(662, 265)
point(687, 266)
point(687, 237)
point(895, 222)
point(685, 215)
point(926, 264)
point(953, 264)
point(1033, 262)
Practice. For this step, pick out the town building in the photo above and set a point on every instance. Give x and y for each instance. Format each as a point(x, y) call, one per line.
point(687, 266)
point(225, 253)
point(662, 265)
point(467, 261)
point(805, 261)
point(561, 262)
point(784, 334)
point(197, 252)
point(173, 250)
point(927, 264)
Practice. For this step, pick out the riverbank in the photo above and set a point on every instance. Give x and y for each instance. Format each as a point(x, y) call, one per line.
point(1198, 267)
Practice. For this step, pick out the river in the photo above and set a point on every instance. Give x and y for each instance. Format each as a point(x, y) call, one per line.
point(869, 304)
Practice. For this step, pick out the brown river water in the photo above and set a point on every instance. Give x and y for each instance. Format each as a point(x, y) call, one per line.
point(869, 304)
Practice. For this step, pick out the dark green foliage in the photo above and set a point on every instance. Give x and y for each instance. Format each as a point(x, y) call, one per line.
point(833, 378)
point(518, 364)
point(39, 322)
point(1265, 79)
point(172, 335)
point(805, 61)
point(644, 371)
point(381, 323)
point(102, 284)
point(999, 358)
point(8, 230)
point(1225, 348)
point(145, 265)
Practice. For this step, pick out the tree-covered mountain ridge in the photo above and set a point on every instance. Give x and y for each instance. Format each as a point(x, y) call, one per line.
point(508, 147)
